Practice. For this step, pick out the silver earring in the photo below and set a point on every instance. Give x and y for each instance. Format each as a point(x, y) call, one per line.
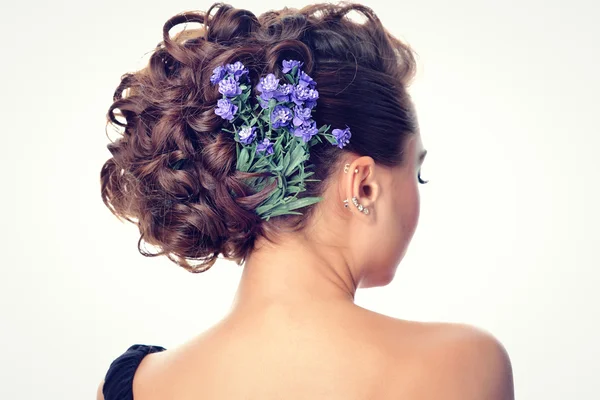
point(360, 207)
point(356, 171)
point(346, 168)
point(346, 203)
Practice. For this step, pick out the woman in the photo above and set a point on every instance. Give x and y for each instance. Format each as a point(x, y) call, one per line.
point(289, 144)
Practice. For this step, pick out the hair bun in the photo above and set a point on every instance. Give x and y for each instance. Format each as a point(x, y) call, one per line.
point(173, 171)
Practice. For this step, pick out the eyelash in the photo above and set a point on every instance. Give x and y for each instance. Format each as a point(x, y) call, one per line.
point(421, 181)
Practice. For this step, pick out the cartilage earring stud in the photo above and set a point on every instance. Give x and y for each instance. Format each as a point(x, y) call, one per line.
point(346, 203)
point(356, 171)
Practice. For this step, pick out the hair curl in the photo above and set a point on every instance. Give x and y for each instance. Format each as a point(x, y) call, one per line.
point(172, 172)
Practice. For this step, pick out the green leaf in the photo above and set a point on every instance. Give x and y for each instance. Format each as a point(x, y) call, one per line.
point(331, 139)
point(294, 71)
point(298, 156)
point(284, 212)
point(278, 167)
point(242, 161)
point(304, 202)
point(270, 203)
point(252, 151)
point(301, 177)
point(282, 209)
point(286, 161)
point(261, 164)
point(295, 189)
point(290, 78)
point(324, 128)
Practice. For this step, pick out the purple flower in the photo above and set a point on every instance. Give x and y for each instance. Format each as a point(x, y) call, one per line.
point(288, 65)
point(342, 136)
point(267, 86)
point(306, 80)
point(226, 109)
point(304, 96)
point(237, 69)
point(282, 94)
point(286, 89)
point(313, 95)
point(247, 134)
point(218, 75)
point(306, 131)
point(265, 145)
point(229, 87)
point(301, 115)
point(281, 116)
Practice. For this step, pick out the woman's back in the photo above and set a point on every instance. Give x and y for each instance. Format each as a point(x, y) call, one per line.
point(332, 352)
point(227, 151)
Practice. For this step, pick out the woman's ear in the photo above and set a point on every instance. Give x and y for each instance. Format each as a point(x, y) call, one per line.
point(362, 181)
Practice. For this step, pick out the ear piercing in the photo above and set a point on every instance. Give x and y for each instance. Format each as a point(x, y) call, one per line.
point(360, 207)
point(347, 166)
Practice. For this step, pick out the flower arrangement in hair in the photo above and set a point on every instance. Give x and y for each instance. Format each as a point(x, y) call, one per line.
point(274, 131)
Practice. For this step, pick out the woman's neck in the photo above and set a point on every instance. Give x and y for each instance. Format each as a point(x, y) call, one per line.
point(294, 271)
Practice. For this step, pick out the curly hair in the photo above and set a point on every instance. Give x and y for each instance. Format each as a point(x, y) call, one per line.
point(172, 170)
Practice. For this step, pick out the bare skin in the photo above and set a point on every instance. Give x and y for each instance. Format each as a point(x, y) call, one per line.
point(294, 331)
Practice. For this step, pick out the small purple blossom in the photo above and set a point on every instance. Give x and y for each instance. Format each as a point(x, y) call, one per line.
point(226, 109)
point(229, 87)
point(301, 115)
point(304, 96)
point(313, 95)
point(286, 89)
point(306, 131)
point(237, 69)
point(265, 145)
point(218, 75)
point(282, 94)
point(342, 136)
point(288, 65)
point(306, 80)
point(281, 116)
point(247, 134)
point(267, 86)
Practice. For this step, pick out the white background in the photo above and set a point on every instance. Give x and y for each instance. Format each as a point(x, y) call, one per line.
point(507, 96)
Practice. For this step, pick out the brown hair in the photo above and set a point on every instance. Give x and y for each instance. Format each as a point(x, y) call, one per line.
point(202, 208)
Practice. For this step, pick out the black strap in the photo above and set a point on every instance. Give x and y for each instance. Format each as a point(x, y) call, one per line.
point(118, 383)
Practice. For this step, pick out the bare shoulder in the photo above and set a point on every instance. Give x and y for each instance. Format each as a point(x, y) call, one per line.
point(462, 362)
point(99, 394)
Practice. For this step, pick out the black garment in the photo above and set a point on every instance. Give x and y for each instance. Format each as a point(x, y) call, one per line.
point(118, 383)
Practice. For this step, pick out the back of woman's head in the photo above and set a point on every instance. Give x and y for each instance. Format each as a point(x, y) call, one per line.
point(173, 171)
